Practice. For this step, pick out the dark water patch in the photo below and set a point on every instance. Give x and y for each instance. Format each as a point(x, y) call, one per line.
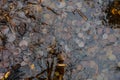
point(112, 14)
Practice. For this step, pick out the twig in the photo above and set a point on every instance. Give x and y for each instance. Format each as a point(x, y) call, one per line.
point(52, 10)
point(81, 14)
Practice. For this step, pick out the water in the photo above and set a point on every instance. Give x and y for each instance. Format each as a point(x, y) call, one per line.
point(79, 36)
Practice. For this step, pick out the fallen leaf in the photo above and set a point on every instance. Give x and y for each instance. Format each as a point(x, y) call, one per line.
point(32, 66)
point(7, 74)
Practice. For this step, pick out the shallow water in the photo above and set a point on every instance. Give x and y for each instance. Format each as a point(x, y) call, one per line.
point(91, 47)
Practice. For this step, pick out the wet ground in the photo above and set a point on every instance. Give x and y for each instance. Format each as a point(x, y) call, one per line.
point(87, 33)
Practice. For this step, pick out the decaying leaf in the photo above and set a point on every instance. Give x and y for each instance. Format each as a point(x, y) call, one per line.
point(7, 74)
point(62, 65)
point(114, 11)
point(32, 66)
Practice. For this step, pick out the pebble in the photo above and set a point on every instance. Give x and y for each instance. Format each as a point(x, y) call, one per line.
point(19, 5)
point(80, 35)
point(1, 75)
point(100, 77)
point(47, 16)
point(67, 48)
point(81, 44)
point(46, 2)
point(10, 46)
point(21, 14)
point(100, 1)
point(107, 30)
point(99, 31)
point(6, 64)
point(52, 5)
point(89, 79)
point(74, 22)
point(83, 10)
point(17, 51)
point(26, 58)
point(105, 36)
point(118, 64)
point(1, 43)
point(64, 15)
point(61, 4)
point(5, 29)
point(112, 57)
point(112, 38)
point(44, 31)
point(11, 37)
point(40, 53)
point(99, 22)
point(70, 8)
point(79, 5)
point(86, 27)
point(23, 63)
point(79, 67)
point(23, 43)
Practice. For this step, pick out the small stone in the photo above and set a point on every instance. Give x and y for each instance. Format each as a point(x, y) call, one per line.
point(107, 30)
point(70, 8)
point(74, 22)
point(81, 44)
point(17, 51)
point(21, 14)
point(67, 48)
point(100, 31)
point(100, 77)
point(5, 29)
point(79, 67)
point(61, 4)
point(52, 5)
point(89, 79)
point(44, 31)
point(23, 43)
point(80, 35)
point(105, 36)
point(83, 10)
point(26, 58)
point(40, 53)
point(1, 43)
point(86, 27)
point(19, 5)
point(6, 64)
point(64, 15)
point(11, 37)
point(112, 38)
point(118, 64)
point(47, 16)
point(100, 1)
point(23, 63)
point(79, 5)
point(1, 75)
point(98, 22)
point(10, 46)
point(46, 2)
point(112, 57)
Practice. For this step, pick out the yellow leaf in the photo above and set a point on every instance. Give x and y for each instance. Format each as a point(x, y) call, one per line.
point(57, 73)
point(114, 11)
point(7, 74)
point(32, 66)
point(61, 65)
point(119, 12)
